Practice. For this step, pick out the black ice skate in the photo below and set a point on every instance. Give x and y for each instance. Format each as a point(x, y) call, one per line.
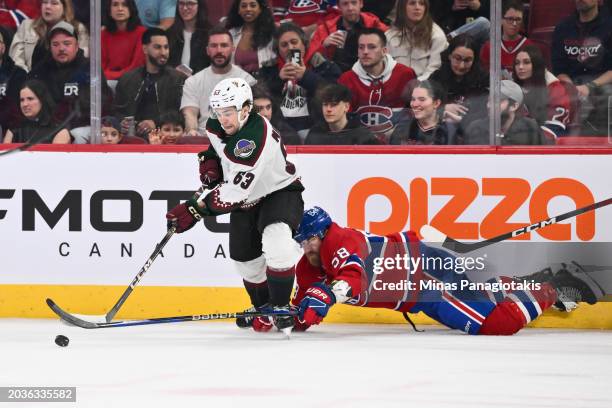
point(247, 321)
point(573, 285)
point(283, 323)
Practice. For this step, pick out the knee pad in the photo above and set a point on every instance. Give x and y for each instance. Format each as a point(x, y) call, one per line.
point(279, 248)
point(253, 271)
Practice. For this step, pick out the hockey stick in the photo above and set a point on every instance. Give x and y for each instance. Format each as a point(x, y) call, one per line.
point(109, 316)
point(432, 234)
point(143, 270)
point(76, 321)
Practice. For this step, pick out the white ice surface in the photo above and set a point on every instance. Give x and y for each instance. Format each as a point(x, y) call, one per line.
point(211, 364)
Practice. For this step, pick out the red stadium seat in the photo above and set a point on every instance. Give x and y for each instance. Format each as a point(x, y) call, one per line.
point(132, 140)
point(217, 9)
point(544, 15)
point(584, 141)
point(195, 140)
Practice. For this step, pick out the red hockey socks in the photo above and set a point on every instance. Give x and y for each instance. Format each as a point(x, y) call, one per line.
point(517, 309)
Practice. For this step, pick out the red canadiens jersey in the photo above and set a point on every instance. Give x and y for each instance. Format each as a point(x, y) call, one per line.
point(351, 255)
point(380, 103)
point(559, 110)
point(509, 49)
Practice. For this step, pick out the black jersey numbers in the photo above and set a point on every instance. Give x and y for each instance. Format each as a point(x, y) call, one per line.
point(244, 179)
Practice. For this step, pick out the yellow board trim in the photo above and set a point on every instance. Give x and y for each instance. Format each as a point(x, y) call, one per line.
point(28, 301)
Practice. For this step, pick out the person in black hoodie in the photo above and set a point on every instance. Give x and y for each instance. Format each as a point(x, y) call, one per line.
point(338, 128)
point(426, 127)
point(581, 54)
point(11, 79)
point(65, 72)
point(36, 124)
point(466, 85)
point(190, 29)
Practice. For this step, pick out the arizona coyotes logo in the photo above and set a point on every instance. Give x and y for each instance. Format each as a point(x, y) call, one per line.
point(376, 118)
point(305, 6)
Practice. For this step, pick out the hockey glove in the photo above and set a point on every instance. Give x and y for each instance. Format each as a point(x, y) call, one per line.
point(184, 216)
point(316, 303)
point(210, 170)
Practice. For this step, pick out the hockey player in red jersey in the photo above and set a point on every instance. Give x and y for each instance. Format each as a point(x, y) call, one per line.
point(379, 85)
point(343, 265)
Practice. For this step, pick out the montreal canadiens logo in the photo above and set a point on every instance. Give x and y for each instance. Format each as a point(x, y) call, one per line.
point(376, 118)
point(244, 148)
point(305, 6)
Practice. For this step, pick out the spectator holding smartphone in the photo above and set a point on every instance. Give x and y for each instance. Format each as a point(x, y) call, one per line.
point(297, 79)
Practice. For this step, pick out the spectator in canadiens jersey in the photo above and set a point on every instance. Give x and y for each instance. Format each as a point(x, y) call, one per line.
point(336, 36)
point(296, 80)
point(466, 84)
point(248, 175)
point(426, 126)
point(345, 265)
point(582, 55)
point(189, 36)
point(546, 99)
point(37, 124)
point(337, 128)
point(251, 25)
point(121, 39)
point(30, 44)
point(414, 39)
point(516, 129)
point(304, 13)
point(379, 85)
point(513, 12)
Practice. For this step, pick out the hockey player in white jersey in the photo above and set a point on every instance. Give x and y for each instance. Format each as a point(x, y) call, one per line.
point(247, 169)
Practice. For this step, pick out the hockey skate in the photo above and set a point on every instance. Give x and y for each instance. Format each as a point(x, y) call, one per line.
point(247, 321)
point(572, 285)
point(283, 323)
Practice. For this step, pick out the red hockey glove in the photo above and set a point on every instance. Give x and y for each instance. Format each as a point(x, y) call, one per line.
point(184, 216)
point(262, 324)
point(315, 305)
point(210, 170)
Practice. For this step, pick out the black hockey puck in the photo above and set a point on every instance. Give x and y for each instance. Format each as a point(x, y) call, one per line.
point(61, 340)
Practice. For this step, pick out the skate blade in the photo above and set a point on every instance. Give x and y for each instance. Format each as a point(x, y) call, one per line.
point(287, 332)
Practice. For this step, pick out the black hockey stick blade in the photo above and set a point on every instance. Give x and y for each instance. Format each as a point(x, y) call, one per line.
point(431, 234)
point(158, 248)
point(76, 321)
point(69, 318)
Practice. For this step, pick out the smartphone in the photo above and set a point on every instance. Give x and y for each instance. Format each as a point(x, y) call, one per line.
point(295, 56)
point(184, 69)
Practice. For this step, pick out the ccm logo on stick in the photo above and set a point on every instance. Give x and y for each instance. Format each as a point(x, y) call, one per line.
point(410, 207)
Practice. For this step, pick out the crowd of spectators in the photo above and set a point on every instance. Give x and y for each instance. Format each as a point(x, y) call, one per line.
point(330, 72)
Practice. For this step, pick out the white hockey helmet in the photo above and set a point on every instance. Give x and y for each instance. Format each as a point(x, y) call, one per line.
point(231, 92)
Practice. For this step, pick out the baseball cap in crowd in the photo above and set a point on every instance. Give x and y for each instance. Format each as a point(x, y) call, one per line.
point(512, 90)
point(63, 27)
point(110, 121)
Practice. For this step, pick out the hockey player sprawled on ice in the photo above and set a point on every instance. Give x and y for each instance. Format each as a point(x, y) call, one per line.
point(340, 265)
